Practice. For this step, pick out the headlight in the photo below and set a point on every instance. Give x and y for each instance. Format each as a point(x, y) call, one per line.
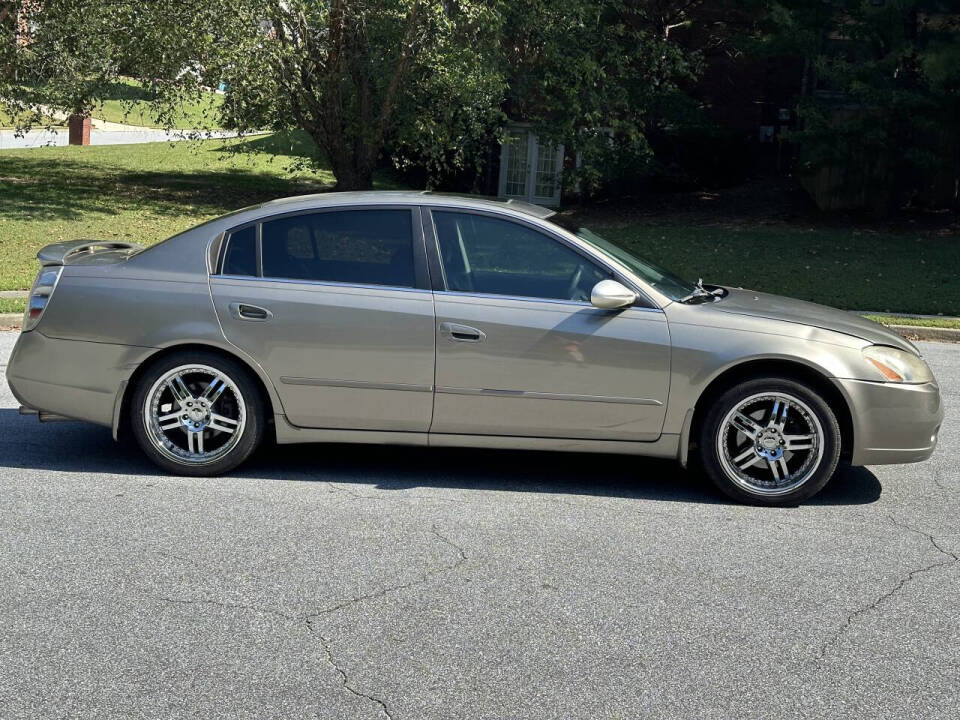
point(897, 365)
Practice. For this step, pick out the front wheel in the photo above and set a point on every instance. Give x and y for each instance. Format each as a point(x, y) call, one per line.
point(197, 413)
point(770, 441)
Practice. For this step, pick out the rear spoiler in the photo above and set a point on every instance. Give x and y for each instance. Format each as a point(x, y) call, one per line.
point(58, 253)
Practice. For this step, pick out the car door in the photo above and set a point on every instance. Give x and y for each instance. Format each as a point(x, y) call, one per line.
point(520, 349)
point(335, 306)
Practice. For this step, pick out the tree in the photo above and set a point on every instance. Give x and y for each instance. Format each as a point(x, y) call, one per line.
point(576, 66)
point(356, 75)
point(61, 55)
point(879, 100)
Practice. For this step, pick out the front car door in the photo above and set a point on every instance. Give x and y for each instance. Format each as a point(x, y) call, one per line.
point(520, 349)
point(335, 305)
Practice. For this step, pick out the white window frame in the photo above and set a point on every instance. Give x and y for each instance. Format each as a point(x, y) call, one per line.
point(533, 153)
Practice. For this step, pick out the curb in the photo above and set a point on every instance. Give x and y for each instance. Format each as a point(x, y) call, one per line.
point(11, 321)
point(934, 334)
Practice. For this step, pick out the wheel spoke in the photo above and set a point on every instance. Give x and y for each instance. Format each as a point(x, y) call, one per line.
point(181, 393)
point(747, 458)
point(222, 423)
point(172, 416)
point(782, 420)
point(784, 468)
point(774, 411)
point(746, 424)
point(214, 389)
point(774, 469)
point(799, 442)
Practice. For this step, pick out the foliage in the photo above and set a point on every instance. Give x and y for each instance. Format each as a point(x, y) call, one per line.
point(600, 76)
point(356, 75)
point(68, 59)
point(880, 97)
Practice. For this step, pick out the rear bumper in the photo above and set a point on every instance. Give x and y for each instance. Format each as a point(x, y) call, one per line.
point(76, 379)
point(893, 423)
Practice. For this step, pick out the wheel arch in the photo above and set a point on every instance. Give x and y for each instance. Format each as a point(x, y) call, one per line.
point(121, 414)
point(770, 367)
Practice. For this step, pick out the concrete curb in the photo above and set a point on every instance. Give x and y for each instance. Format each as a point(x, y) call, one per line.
point(11, 321)
point(934, 334)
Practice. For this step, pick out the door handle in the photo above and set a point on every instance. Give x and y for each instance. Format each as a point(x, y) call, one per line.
point(461, 333)
point(245, 311)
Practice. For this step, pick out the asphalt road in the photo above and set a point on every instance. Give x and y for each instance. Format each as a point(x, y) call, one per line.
point(370, 582)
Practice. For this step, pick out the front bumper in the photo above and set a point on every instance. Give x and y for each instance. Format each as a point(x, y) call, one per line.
point(893, 422)
point(72, 378)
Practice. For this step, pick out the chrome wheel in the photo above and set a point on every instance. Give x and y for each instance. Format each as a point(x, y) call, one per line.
point(770, 443)
point(194, 414)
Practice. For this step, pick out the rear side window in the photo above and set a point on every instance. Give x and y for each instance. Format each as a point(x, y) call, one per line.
point(241, 257)
point(368, 247)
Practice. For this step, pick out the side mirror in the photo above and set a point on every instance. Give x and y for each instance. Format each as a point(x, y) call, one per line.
point(610, 295)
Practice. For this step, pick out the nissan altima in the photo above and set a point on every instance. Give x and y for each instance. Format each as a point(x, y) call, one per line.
point(419, 319)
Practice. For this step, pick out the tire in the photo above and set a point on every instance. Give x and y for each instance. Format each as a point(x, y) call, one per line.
point(754, 457)
point(197, 413)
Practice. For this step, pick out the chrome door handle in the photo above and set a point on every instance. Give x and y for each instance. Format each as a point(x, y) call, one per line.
point(245, 311)
point(461, 333)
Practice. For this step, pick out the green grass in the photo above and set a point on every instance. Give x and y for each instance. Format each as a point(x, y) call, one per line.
point(938, 322)
point(12, 305)
point(8, 122)
point(145, 193)
point(138, 193)
point(846, 268)
point(130, 105)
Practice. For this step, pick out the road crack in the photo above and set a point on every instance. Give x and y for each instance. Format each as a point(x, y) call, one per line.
point(310, 618)
point(951, 559)
point(382, 592)
point(344, 678)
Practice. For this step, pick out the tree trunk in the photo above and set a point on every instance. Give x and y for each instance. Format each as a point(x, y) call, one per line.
point(351, 171)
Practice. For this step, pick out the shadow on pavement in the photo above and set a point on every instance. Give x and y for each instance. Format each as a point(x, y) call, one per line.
point(79, 447)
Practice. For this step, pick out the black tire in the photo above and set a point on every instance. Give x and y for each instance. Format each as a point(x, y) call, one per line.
point(810, 478)
point(253, 408)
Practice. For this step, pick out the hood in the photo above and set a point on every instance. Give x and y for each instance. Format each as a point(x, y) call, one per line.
point(776, 307)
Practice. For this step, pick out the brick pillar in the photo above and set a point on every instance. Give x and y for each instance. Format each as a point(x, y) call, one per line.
point(79, 129)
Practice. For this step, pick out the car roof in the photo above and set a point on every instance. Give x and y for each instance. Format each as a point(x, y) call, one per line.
point(404, 197)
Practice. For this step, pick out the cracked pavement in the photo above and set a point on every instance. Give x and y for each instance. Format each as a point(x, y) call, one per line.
point(376, 582)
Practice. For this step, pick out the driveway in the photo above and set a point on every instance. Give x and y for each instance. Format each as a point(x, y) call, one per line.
point(369, 582)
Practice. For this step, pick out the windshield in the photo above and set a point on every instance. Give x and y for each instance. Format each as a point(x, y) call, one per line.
point(674, 287)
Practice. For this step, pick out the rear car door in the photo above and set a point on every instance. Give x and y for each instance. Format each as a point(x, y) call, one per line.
point(520, 349)
point(335, 305)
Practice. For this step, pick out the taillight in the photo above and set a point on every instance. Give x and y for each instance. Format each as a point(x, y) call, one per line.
point(40, 294)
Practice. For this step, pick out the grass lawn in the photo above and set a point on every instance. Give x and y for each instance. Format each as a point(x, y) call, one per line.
point(137, 193)
point(12, 305)
point(130, 105)
point(8, 123)
point(846, 268)
point(145, 193)
point(937, 322)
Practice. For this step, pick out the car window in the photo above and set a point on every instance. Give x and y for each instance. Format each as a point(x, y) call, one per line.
point(368, 247)
point(483, 254)
point(241, 256)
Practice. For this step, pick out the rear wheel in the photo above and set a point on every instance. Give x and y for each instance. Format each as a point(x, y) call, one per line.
point(197, 413)
point(770, 441)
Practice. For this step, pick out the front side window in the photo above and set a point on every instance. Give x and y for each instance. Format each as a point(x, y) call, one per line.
point(483, 254)
point(365, 247)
